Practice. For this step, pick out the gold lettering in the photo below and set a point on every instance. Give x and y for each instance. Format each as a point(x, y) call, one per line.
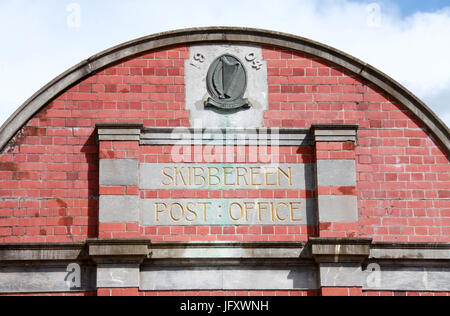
point(267, 173)
point(248, 207)
point(205, 209)
point(227, 171)
point(253, 173)
point(190, 210)
point(288, 175)
point(190, 176)
point(211, 176)
point(271, 213)
point(158, 211)
point(168, 176)
point(201, 176)
point(171, 212)
point(181, 176)
point(278, 214)
point(260, 209)
point(293, 209)
point(243, 176)
point(231, 213)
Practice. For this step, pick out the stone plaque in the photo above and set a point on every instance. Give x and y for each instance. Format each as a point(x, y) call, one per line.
point(227, 177)
point(226, 83)
point(230, 111)
point(227, 212)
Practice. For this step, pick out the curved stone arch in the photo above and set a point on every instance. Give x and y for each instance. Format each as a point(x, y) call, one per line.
point(224, 34)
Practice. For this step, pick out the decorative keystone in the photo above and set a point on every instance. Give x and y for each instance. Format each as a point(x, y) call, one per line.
point(339, 250)
point(132, 251)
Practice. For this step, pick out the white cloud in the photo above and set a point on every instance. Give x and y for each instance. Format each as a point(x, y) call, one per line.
point(412, 50)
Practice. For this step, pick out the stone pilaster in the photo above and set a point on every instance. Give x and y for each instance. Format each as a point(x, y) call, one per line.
point(119, 180)
point(118, 263)
point(340, 264)
point(336, 180)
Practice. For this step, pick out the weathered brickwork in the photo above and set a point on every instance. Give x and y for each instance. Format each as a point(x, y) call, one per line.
point(403, 175)
point(49, 171)
point(387, 183)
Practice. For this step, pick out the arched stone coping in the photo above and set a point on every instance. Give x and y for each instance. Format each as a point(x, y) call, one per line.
point(229, 35)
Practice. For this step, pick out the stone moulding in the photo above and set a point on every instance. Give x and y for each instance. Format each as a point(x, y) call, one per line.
point(44, 268)
point(114, 251)
point(319, 248)
point(221, 137)
point(42, 252)
point(224, 35)
point(340, 250)
point(118, 132)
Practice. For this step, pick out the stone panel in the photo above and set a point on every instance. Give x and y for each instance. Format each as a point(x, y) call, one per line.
point(336, 173)
point(340, 275)
point(229, 278)
point(152, 176)
point(119, 209)
point(201, 57)
point(227, 212)
point(118, 276)
point(397, 278)
point(42, 279)
point(119, 172)
point(337, 208)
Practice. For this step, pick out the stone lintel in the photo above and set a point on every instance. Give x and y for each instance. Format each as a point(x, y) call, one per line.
point(219, 136)
point(224, 136)
point(335, 133)
point(119, 131)
point(132, 251)
point(340, 250)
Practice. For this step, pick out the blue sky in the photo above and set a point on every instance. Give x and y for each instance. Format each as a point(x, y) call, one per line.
point(408, 7)
point(394, 36)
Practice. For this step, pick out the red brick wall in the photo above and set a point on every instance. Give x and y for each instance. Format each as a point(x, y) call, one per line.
point(49, 171)
point(403, 175)
point(390, 293)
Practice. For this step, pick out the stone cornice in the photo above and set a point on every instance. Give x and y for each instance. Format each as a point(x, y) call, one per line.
point(322, 249)
point(336, 250)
